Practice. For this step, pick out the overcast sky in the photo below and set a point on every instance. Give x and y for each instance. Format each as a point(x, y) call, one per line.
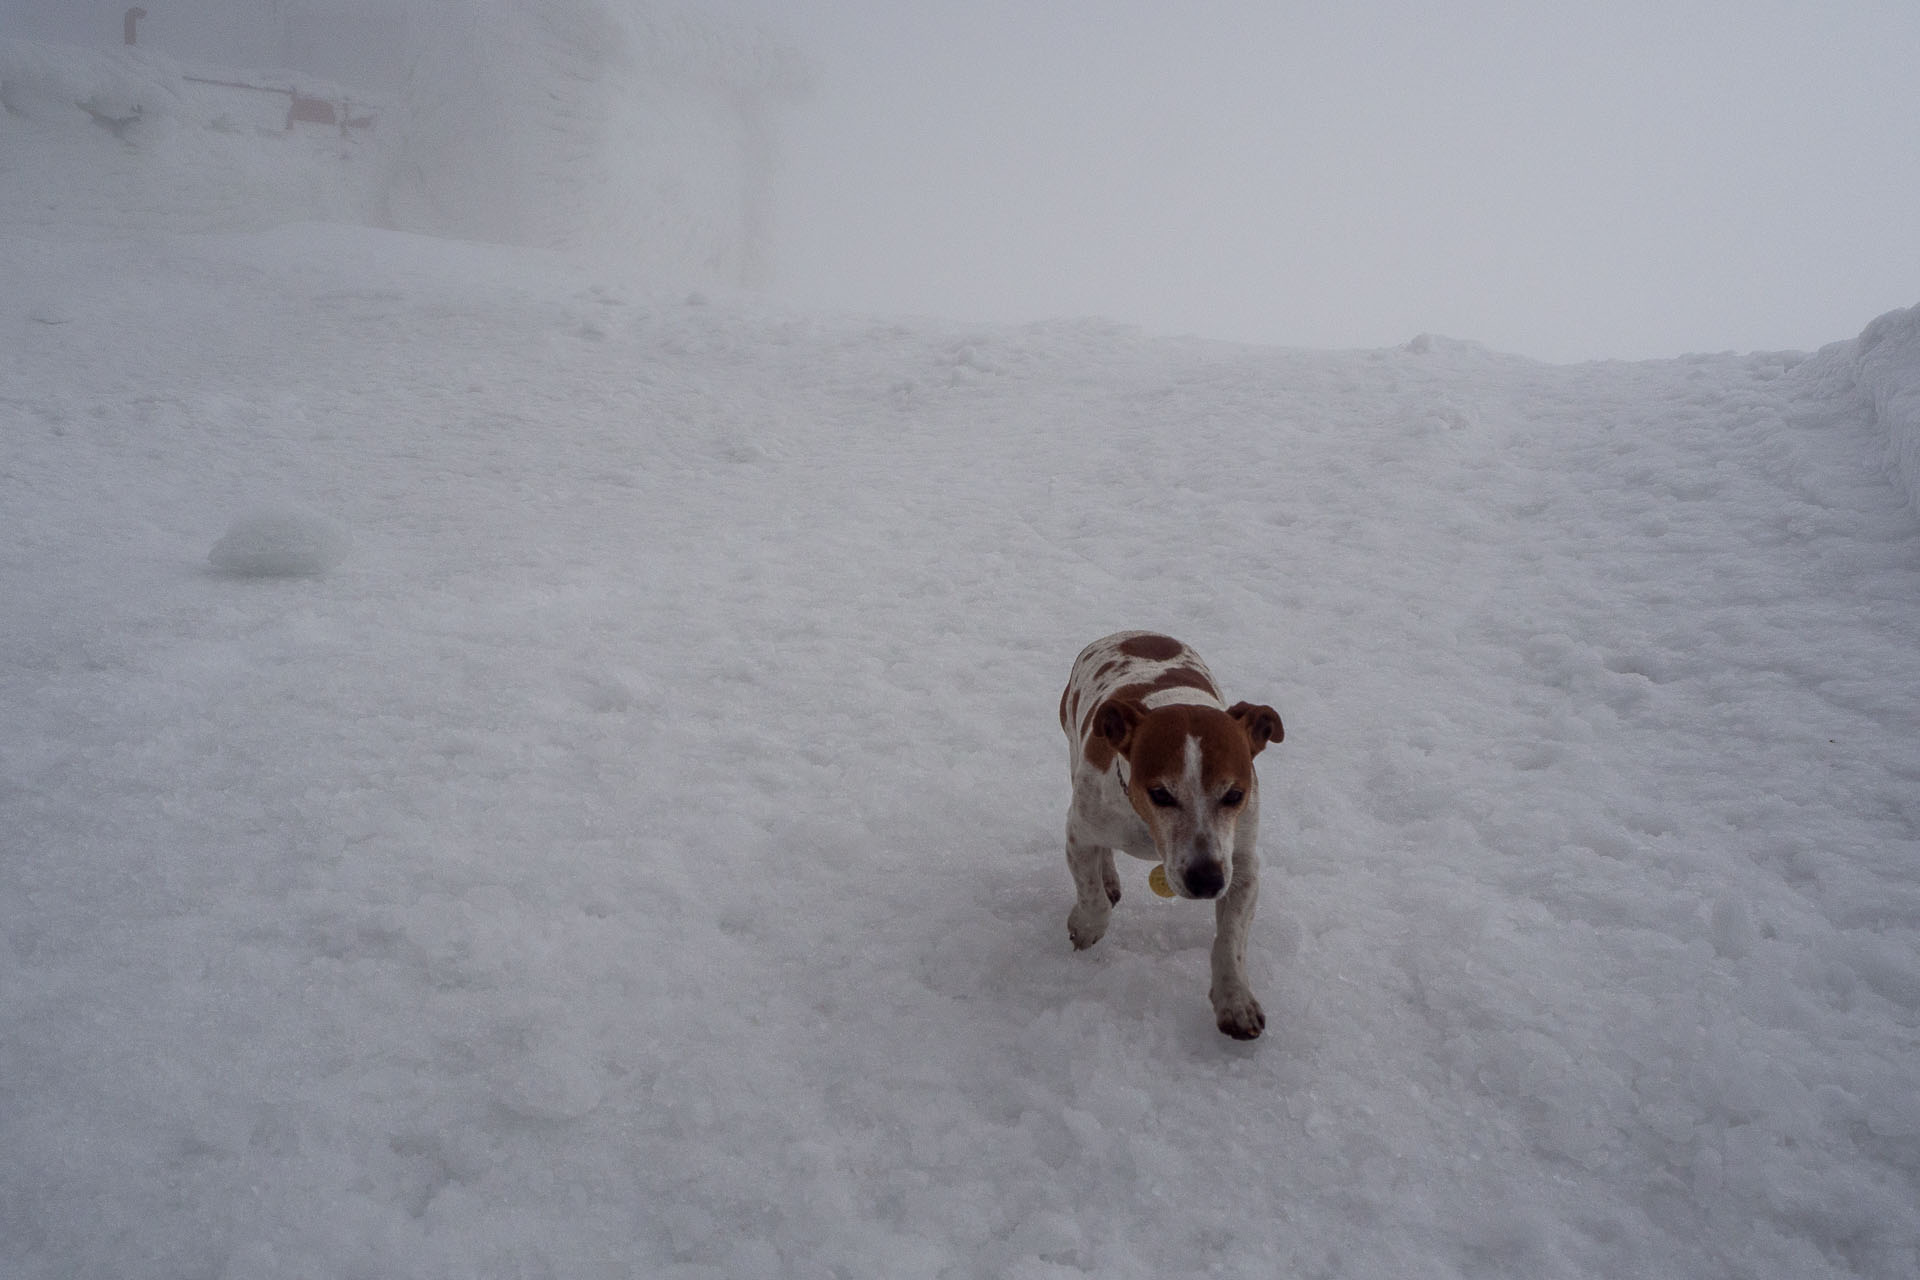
point(1611, 178)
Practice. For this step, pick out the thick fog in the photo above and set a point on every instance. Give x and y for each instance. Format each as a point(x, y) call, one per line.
point(1620, 180)
point(1566, 181)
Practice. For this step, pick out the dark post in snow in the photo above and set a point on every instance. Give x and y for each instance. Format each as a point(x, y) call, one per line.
point(133, 16)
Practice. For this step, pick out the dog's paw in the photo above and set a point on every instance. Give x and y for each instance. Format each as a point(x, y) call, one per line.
point(1240, 1016)
point(1086, 927)
point(1111, 879)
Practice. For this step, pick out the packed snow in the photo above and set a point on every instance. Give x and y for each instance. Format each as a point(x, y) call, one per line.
point(641, 856)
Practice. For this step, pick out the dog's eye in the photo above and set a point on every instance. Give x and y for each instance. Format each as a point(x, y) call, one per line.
point(1233, 797)
point(1162, 797)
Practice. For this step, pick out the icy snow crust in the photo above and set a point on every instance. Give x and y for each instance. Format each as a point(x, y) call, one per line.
point(642, 856)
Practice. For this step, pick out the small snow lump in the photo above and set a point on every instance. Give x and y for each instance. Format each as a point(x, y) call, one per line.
point(280, 542)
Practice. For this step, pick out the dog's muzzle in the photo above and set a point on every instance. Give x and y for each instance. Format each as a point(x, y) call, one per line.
point(1205, 879)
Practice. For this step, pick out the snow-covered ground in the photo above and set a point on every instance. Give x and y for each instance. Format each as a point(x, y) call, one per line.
point(600, 813)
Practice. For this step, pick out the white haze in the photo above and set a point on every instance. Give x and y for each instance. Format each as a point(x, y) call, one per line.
point(1626, 180)
point(513, 766)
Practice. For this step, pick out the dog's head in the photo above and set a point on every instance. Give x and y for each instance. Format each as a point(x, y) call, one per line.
point(1190, 777)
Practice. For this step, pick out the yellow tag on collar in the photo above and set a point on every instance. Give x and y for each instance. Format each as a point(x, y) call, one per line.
point(1157, 881)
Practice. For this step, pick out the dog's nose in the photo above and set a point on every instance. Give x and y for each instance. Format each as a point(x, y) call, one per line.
point(1205, 879)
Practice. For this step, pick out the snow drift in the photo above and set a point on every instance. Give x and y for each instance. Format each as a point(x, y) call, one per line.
point(1886, 366)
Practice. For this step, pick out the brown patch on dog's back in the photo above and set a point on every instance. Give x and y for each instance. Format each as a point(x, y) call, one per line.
point(1172, 678)
point(1125, 693)
point(1183, 678)
point(1152, 647)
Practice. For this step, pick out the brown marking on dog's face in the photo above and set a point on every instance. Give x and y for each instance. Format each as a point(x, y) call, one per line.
point(1105, 669)
point(1191, 777)
point(1262, 724)
point(1158, 756)
point(1154, 648)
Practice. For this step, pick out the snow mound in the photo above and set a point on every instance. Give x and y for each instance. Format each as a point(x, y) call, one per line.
point(282, 542)
point(48, 82)
point(1886, 367)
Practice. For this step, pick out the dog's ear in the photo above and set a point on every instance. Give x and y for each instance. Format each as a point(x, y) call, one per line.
point(1116, 721)
point(1261, 723)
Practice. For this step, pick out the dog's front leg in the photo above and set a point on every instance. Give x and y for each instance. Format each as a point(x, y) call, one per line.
point(1235, 1011)
point(1096, 887)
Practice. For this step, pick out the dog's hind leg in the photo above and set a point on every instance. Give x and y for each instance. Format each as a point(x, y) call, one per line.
point(1096, 887)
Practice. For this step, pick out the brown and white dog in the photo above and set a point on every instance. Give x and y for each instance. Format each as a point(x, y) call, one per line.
point(1163, 769)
